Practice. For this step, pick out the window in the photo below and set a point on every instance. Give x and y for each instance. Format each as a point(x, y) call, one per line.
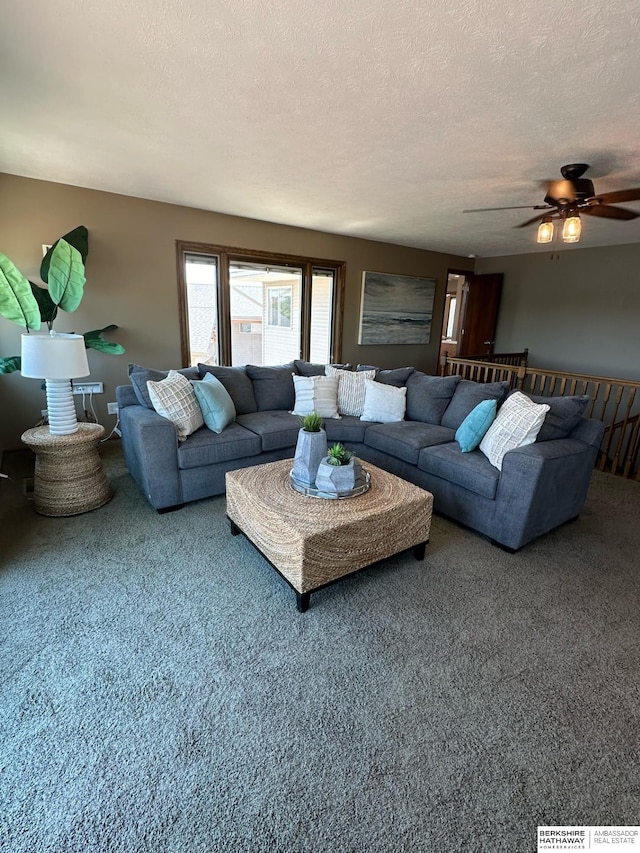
point(247, 307)
point(279, 301)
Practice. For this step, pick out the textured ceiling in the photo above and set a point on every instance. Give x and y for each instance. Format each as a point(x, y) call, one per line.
point(382, 120)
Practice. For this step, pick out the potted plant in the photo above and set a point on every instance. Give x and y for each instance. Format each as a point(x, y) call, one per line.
point(30, 305)
point(311, 446)
point(339, 471)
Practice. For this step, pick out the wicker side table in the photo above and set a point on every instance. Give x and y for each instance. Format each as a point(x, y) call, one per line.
point(69, 478)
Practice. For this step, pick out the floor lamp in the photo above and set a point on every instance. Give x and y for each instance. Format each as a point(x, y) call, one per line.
point(56, 358)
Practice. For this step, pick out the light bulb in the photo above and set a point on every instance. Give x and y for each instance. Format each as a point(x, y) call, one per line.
point(572, 228)
point(545, 231)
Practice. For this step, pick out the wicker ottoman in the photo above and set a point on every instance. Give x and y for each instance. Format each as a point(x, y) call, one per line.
point(313, 542)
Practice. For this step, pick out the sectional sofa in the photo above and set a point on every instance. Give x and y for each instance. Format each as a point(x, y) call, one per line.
point(538, 487)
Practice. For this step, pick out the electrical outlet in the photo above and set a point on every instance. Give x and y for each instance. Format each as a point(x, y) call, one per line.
point(112, 408)
point(44, 412)
point(87, 387)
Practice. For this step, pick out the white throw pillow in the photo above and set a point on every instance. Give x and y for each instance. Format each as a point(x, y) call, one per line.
point(351, 389)
point(316, 394)
point(517, 423)
point(384, 403)
point(175, 399)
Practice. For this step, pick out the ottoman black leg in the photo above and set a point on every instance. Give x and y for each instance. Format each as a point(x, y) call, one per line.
point(235, 530)
point(302, 601)
point(420, 550)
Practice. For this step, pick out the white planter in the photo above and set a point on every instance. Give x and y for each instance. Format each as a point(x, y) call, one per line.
point(311, 447)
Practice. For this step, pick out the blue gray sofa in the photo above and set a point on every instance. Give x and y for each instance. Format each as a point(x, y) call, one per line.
point(539, 487)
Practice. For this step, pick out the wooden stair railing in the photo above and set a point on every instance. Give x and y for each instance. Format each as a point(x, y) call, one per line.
point(615, 402)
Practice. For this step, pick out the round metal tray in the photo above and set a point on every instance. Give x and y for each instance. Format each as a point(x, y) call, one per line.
point(362, 485)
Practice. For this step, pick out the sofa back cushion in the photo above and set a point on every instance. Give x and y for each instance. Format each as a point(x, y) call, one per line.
point(308, 368)
point(139, 376)
point(564, 414)
point(429, 396)
point(237, 383)
point(396, 376)
point(467, 396)
point(272, 386)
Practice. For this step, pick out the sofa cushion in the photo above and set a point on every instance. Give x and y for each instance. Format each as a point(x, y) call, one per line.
point(276, 429)
point(474, 427)
point(396, 376)
point(237, 383)
point(316, 394)
point(351, 389)
point(307, 368)
point(272, 386)
point(429, 396)
point(564, 414)
point(205, 447)
point(384, 403)
point(406, 439)
point(215, 402)
point(174, 399)
point(517, 424)
point(347, 430)
point(139, 376)
point(472, 471)
point(467, 396)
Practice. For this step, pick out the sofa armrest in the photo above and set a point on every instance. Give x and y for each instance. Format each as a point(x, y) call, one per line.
point(541, 486)
point(150, 448)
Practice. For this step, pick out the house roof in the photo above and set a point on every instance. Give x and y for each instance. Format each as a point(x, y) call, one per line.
point(368, 118)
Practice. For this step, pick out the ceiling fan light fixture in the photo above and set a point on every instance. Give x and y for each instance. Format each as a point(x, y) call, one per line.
point(545, 230)
point(572, 228)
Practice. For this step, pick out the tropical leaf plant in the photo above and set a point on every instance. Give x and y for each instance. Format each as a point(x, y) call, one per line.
point(11, 364)
point(94, 340)
point(66, 276)
point(17, 302)
point(28, 304)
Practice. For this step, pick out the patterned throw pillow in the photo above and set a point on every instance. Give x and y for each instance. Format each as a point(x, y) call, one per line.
point(316, 394)
point(351, 389)
point(175, 400)
point(517, 424)
point(384, 403)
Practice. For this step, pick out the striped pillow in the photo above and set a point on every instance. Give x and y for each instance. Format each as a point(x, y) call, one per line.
point(351, 389)
point(175, 399)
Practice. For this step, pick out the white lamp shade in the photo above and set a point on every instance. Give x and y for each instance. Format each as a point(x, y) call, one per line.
point(54, 356)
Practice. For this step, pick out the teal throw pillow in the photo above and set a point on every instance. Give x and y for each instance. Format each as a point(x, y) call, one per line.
point(218, 410)
point(472, 429)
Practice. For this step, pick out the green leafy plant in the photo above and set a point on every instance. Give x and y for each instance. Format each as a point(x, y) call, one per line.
point(338, 454)
point(30, 305)
point(311, 422)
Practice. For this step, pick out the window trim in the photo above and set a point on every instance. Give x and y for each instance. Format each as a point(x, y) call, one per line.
point(226, 257)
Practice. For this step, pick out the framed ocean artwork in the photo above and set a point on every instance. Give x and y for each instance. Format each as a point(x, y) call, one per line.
point(396, 309)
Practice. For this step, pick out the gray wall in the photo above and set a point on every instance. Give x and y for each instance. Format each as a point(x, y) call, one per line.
point(132, 281)
point(579, 312)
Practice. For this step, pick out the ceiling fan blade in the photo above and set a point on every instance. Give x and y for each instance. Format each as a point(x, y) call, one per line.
point(531, 221)
point(518, 207)
point(620, 195)
point(609, 212)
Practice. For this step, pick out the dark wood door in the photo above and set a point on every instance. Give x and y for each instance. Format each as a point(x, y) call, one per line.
point(480, 304)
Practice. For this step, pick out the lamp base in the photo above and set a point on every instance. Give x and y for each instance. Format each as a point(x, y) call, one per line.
point(61, 407)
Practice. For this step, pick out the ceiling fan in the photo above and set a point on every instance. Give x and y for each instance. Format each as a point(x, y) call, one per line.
point(567, 199)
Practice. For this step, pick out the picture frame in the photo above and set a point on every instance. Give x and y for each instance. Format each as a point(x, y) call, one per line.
point(395, 309)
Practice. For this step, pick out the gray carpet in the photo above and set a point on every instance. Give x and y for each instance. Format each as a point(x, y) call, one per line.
point(160, 692)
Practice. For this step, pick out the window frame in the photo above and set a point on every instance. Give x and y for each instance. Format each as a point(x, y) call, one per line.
point(226, 256)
